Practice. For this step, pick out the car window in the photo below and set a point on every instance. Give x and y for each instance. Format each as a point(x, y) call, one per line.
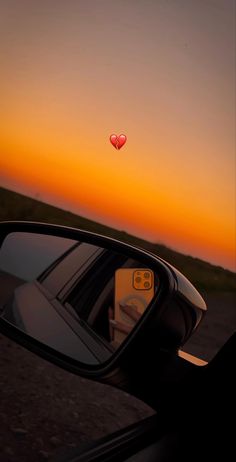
point(93, 296)
point(69, 268)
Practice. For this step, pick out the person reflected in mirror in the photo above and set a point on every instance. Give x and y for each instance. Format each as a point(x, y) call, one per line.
point(131, 311)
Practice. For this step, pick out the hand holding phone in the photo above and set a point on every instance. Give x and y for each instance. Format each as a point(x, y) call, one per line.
point(134, 289)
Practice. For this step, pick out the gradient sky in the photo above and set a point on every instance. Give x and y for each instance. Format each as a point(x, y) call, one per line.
point(160, 71)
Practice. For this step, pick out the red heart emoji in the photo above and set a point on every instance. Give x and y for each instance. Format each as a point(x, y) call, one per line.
point(118, 141)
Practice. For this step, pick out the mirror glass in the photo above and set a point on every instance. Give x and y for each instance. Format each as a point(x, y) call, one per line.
point(80, 299)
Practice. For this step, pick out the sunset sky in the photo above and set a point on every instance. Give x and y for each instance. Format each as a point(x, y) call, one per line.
point(160, 71)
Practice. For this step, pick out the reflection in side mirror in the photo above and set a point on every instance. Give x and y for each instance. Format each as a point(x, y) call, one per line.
point(80, 299)
point(134, 290)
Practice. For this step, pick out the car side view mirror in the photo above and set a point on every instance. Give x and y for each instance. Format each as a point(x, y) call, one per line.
point(81, 300)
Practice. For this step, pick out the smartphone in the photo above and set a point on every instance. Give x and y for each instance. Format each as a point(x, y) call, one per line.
point(135, 287)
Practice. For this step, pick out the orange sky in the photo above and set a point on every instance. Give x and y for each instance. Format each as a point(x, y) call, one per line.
point(162, 73)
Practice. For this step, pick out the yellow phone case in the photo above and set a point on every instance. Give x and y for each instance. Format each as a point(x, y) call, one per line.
point(135, 287)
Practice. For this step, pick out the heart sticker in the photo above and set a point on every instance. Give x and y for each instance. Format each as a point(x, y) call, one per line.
point(118, 141)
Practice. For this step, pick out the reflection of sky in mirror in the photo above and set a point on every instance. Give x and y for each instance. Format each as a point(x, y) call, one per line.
point(27, 255)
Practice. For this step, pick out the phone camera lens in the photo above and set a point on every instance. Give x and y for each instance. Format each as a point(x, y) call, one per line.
point(138, 279)
point(147, 275)
point(146, 285)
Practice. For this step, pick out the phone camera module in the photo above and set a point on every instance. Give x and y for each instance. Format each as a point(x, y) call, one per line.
point(146, 275)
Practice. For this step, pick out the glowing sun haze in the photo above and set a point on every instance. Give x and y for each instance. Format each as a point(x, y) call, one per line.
point(161, 72)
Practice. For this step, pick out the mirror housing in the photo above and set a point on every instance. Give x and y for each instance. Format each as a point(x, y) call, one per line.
point(172, 316)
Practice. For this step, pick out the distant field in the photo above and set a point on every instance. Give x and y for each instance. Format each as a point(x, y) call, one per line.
point(206, 277)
